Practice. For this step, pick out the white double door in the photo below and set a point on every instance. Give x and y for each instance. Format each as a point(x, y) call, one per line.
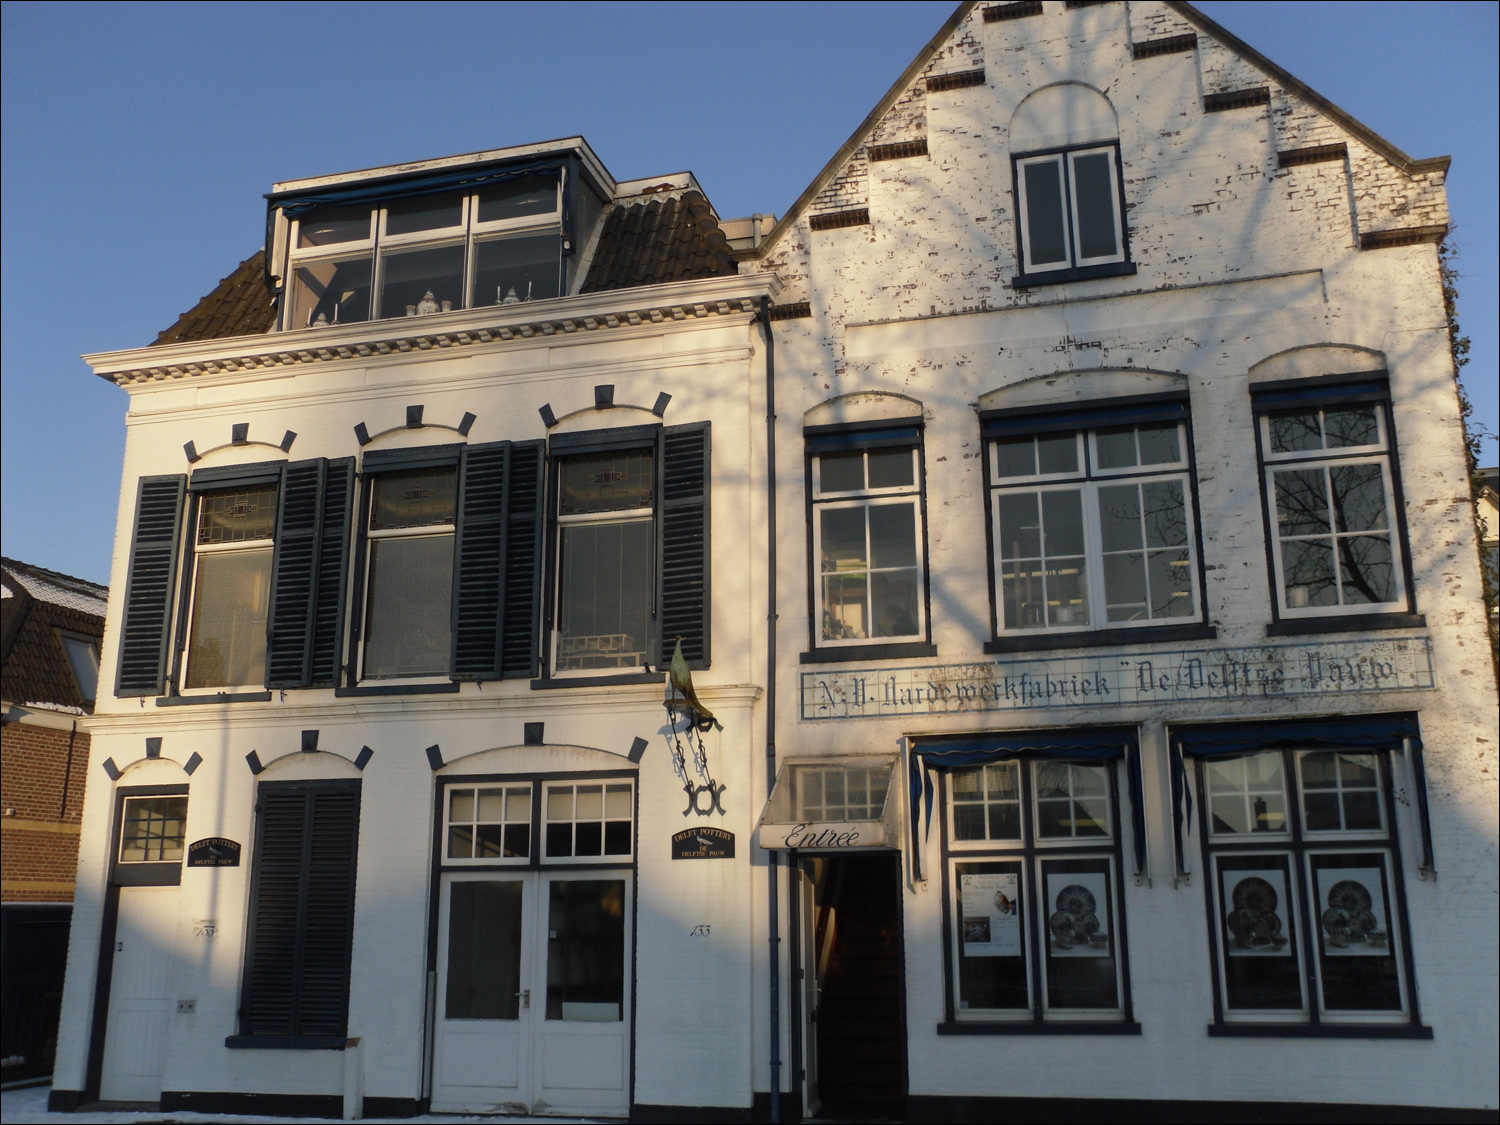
point(533, 993)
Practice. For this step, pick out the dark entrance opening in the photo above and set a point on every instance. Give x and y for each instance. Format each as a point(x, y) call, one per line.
point(860, 1041)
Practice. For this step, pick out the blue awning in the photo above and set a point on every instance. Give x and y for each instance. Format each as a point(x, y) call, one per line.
point(1355, 732)
point(1390, 733)
point(299, 203)
point(1086, 744)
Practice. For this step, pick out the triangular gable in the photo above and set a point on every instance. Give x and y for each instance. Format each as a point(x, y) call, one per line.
point(850, 150)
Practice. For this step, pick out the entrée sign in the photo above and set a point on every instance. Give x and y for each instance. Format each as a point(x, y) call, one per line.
point(1115, 679)
point(703, 843)
point(825, 836)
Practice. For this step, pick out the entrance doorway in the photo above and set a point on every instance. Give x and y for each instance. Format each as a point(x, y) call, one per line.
point(532, 1007)
point(854, 1041)
point(135, 1043)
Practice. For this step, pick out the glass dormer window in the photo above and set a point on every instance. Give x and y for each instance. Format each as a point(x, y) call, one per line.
point(495, 245)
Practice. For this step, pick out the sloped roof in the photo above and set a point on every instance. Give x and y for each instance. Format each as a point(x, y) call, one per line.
point(240, 305)
point(36, 606)
point(653, 240)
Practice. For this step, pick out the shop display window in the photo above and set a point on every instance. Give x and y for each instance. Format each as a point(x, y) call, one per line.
point(1034, 891)
point(1304, 888)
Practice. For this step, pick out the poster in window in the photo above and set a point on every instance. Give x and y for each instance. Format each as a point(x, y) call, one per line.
point(1255, 906)
point(1078, 922)
point(991, 915)
point(1351, 903)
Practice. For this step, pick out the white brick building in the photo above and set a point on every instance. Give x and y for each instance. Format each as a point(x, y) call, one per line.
point(1126, 684)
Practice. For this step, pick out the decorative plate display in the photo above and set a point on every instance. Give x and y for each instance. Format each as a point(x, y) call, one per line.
point(1254, 916)
point(1074, 923)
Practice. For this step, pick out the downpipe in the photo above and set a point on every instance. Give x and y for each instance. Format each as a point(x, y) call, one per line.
point(773, 872)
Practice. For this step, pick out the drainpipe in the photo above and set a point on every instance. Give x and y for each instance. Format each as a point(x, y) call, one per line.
point(773, 872)
point(62, 809)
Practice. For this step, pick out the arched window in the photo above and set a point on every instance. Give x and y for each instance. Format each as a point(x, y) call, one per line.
point(1065, 156)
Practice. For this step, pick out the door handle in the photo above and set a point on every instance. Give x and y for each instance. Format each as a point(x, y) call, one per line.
point(525, 995)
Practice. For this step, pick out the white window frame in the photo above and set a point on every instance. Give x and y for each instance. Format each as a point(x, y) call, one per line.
point(619, 516)
point(603, 859)
point(1032, 861)
point(466, 233)
point(989, 843)
point(373, 536)
point(136, 798)
point(868, 498)
point(1326, 459)
point(200, 550)
point(1065, 160)
point(1087, 481)
point(1046, 843)
point(1379, 833)
point(1284, 833)
point(1299, 852)
point(475, 787)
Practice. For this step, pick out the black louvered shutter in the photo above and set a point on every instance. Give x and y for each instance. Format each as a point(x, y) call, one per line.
point(523, 559)
point(148, 589)
point(684, 551)
point(294, 574)
point(332, 575)
point(478, 561)
point(302, 910)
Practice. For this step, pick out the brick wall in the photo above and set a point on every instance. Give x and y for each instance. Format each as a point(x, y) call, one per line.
point(39, 850)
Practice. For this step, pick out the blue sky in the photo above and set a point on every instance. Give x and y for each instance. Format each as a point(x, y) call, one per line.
point(138, 139)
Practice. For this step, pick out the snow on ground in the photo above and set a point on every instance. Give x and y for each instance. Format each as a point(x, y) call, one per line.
point(29, 1107)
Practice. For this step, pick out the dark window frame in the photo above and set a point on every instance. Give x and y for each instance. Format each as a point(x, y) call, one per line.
point(1168, 629)
point(1295, 844)
point(1335, 390)
point(1026, 853)
point(1125, 267)
point(885, 433)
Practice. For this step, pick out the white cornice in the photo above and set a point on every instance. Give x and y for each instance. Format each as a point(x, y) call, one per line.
point(734, 295)
point(405, 709)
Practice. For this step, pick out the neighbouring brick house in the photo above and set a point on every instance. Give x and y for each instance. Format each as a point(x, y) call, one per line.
point(1103, 723)
point(50, 628)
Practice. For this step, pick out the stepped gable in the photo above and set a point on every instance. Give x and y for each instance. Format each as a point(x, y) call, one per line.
point(655, 240)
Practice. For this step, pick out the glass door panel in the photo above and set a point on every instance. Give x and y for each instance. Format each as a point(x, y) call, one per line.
point(481, 1057)
point(583, 1046)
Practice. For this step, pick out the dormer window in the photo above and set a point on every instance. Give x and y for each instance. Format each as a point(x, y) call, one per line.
point(497, 244)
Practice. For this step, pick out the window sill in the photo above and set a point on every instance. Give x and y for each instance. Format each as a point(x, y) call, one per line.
point(549, 684)
point(287, 1042)
point(396, 689)
point(1319, 1031)
point(855, 653)
point(1044, 1027)
point(1354, 623)
point(1079, 273)
point(1102, 638)
point(221, 697)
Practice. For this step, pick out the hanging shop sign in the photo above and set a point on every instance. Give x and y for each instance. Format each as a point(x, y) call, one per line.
point(703, 843)
point(213, 852)
point(832, 804)
point(1113, 679)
